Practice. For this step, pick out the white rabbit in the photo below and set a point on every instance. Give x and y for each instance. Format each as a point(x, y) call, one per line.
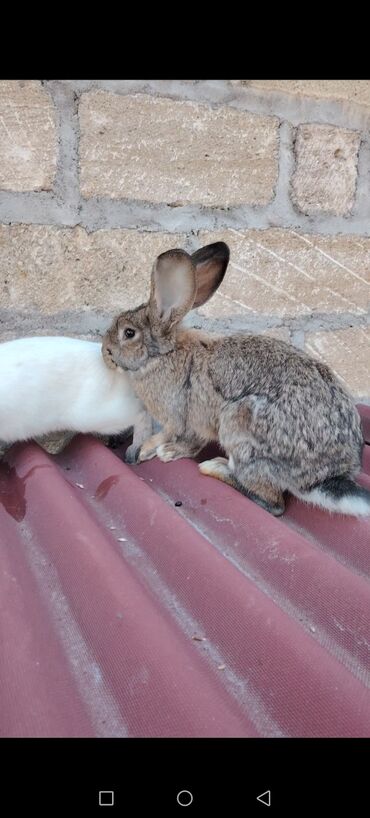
point(51, 384)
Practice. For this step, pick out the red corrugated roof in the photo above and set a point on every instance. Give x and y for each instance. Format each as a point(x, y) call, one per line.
point(123, 614)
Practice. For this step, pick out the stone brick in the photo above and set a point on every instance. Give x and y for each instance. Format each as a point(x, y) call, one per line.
point(48, 269)
point(160, 150)
point(326, 169)
point(347, 90)
point(28, 142)
point(347, 351)
point(281, 272)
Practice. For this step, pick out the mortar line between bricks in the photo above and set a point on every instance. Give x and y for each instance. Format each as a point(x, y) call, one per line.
point(96, 320)
point(286, 162)
point(362, 204)
point(101, 214)
point(66, 188)
point(43, 209)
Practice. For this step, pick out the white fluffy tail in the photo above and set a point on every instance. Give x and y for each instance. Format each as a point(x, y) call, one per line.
point(339, 494)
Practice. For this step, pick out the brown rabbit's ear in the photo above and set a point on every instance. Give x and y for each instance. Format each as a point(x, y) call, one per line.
point(173, 287)
point(210, 264)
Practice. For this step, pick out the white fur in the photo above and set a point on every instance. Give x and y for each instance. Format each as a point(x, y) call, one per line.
point(355, 506)
point(52, 384)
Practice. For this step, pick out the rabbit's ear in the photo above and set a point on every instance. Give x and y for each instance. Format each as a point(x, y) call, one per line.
point(210, 264)
point(173, 287)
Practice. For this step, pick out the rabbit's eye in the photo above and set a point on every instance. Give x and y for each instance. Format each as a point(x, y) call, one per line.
point(129, 333)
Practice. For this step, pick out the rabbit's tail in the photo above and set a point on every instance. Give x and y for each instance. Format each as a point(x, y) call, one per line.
point(340, 494)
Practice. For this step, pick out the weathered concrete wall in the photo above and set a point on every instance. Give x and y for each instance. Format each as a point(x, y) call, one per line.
point(98, 177)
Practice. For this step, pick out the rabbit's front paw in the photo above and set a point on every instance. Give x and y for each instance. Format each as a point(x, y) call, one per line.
point(173, 451)
point(132, 454)
point(169, 451)
point(148, 450)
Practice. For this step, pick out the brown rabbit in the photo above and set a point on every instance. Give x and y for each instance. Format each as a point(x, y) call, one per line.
point(283, 419)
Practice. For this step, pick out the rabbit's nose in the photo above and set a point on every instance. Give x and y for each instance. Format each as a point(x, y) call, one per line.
point(108, 349)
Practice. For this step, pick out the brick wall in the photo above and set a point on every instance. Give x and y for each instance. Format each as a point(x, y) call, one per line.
point(98, 177)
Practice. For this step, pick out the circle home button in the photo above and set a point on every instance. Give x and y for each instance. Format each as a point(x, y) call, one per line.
point(184, 798)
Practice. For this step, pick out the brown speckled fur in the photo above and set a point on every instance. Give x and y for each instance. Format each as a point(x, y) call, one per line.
point(283, 419)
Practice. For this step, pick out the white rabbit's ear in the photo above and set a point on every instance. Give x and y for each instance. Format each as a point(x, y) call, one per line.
point(210, 264)
point(173, 287)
